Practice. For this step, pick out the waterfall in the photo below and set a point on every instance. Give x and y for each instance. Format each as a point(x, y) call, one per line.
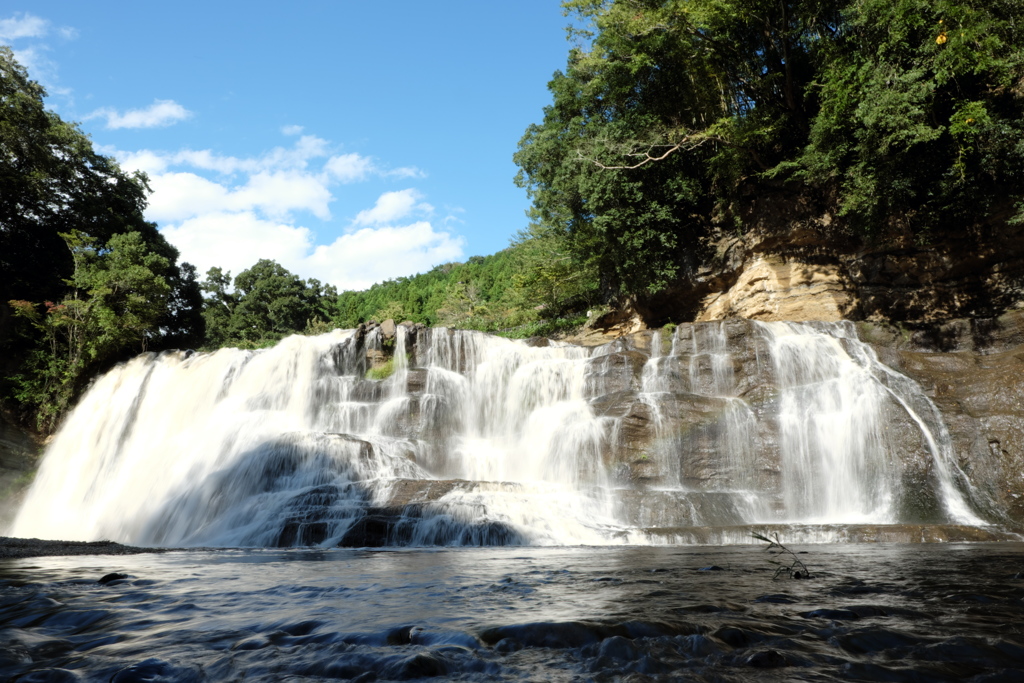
point(475, 439)
point(834, 400)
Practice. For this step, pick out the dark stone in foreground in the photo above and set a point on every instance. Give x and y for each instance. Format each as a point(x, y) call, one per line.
point(34, 547)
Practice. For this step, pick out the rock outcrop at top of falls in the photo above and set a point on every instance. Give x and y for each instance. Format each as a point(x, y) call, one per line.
point(832, 430)
point(792, 263)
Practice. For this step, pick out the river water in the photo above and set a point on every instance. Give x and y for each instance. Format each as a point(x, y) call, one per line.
point(875, 612)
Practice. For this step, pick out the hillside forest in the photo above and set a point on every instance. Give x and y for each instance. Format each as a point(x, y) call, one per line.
point(669, 122)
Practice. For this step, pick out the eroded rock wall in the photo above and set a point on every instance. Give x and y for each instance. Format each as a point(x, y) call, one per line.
point(793, 259)
point(973, 370)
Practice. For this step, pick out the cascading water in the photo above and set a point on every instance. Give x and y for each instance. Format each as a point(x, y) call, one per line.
point(835, 407)
point(474, 439)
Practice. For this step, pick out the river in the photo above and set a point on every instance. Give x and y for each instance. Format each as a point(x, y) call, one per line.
point(873, 612)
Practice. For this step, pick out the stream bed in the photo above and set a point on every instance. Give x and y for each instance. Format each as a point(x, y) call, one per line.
point(873, 612)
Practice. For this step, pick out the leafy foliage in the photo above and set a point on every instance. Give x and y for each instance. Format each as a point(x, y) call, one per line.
point(267, 303)
point(484, 293)
point(921, 112)
point(672, 115)
point(85, 280)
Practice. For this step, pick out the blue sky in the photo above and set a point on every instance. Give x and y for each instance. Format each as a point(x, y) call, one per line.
point(350, 141)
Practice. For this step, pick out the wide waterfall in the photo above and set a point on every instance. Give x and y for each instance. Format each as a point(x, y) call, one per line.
point(698, 435)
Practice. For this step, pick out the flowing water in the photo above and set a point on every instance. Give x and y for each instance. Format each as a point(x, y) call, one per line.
point(697, 436)
point(668, 449)
point(871, 612)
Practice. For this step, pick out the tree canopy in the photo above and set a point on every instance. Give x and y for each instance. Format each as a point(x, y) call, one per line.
point(670, 114)
point(85, 280)
point(267, 303)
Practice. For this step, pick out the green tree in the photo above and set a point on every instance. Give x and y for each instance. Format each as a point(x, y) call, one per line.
point(265, 303)
point(118, 297)
point(72, 231)
point(662, 114)
point(673, 117)
point(922, 115)
point(218, 307)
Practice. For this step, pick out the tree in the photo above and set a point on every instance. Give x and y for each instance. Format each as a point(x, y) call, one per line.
point(672, 114)
point(659, 119)
point(119, 295)
point(266, 303)
point(76, 250)
point(218, 307)
point(922, 114)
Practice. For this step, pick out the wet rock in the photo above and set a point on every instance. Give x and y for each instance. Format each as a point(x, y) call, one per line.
point(109, 578)
point(401, 635)
point(414, 666)
point(739, 637)
point(157, 671)
point(506, 645)
point(834, 614)
point(372, 531)
point(614, 372)
point(569, 634)
point(777, 598)
point(618, 648)
point(766, 659)
point(697, 645)
point(295, 533)
point(50, 676)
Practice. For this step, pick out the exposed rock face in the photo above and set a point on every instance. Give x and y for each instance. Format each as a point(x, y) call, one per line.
point(705, 416)
point(977, 382)
point(770, 288)
point(668, 433)
point(794, 261)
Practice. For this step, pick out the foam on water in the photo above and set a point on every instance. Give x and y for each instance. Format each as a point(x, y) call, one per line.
point(294, 445)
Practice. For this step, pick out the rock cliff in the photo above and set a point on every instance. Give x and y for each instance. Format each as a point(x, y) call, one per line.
point(794, 260)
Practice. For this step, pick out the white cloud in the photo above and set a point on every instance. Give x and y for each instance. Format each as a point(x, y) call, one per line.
point(230, 212)
point(393, 206)
point(160, 113)
point(143, 160)
point(359, 259)
point(291, 130)
point(23, 25)
point(348, 168)
point(405, 172)
point(235, 241)
point(178, 196)
point(280, 193)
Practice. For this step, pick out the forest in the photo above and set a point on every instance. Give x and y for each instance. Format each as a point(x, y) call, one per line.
point(670, 120)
